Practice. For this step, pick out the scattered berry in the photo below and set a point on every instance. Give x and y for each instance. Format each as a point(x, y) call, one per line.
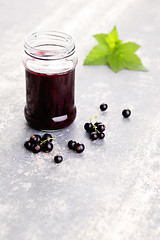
point(36, 148)
point(101, 128)
point(103, 107)
point(58, 159)
point(101, 135)
point(80, 148)
point(126, 113)
point(93, 136)
point(47, 147)
point(71, 144)
point(28, 145)
point(47, 136)
point(75, 146)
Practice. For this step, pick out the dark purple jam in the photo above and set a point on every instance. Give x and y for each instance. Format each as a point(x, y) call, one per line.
point(50, 100)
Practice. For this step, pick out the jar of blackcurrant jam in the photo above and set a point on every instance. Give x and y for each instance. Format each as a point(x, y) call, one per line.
point(50, 61)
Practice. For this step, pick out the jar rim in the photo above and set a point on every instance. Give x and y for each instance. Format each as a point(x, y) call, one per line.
point(61, 45)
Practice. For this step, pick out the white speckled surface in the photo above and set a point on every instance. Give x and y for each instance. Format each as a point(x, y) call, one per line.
point(111, 191)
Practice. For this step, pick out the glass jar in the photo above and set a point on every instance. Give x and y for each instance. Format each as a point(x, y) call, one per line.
point(50, 61)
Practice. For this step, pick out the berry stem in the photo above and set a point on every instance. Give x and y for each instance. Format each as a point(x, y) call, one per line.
point(93, 123)
point(46, 140)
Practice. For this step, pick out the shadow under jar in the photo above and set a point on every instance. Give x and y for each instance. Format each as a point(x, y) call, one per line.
point(50, 61)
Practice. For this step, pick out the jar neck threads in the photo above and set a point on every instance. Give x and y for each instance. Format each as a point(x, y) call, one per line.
point(49, 45)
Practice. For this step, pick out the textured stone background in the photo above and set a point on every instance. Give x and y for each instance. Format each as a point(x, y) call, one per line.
point(111, 191)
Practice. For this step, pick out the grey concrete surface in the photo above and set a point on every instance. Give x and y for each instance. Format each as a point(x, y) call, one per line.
point(112, 190)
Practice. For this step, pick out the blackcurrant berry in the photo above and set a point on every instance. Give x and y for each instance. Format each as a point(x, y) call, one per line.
point(88, 127)
point(97, 123)
point(75, 146)
point(38, 138)
point(92, 130)
point(36, 148)
point(101, 135)
point(93, 136)
point(35, 138)
point(80, 148)
point(126, 113)
point(103, 106)
point(58, 159)
point(47, 147)
point(101, 127)
point(71, 144)
point(28, 145)
point(47, 136)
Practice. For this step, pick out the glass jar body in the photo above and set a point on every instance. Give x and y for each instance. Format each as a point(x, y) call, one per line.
point(50, 81)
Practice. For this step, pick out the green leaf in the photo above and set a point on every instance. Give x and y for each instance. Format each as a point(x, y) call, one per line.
point(97, 56)
point(111, 51)
point(112, 36)
point(100, 38)
point(115, 62)
point(124, 58)
point(112, 39)
point(133, 62)
point(129, 47)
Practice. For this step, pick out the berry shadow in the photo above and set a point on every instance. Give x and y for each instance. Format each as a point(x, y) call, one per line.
point(127, 120)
